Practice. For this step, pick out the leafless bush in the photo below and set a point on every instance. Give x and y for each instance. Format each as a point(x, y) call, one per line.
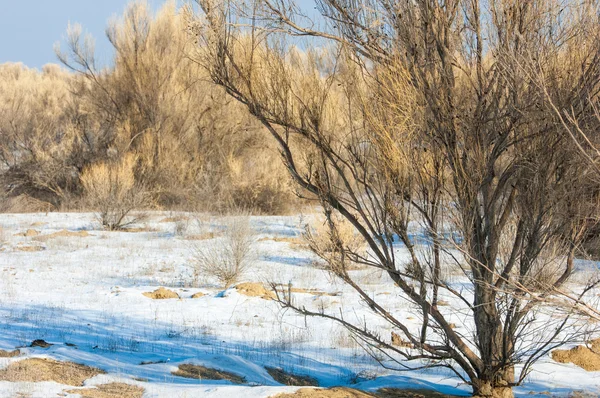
point(112, 191)
point(228, 258)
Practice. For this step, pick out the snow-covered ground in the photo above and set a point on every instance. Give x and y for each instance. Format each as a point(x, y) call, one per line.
point(87, 292)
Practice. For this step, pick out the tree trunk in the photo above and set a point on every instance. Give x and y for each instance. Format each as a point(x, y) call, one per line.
point(499, 386)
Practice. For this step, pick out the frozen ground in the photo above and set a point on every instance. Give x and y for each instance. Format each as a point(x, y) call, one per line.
point(87, 291)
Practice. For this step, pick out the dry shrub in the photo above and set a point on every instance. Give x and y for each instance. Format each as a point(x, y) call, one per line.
point(202, 372)
point(228, 258)
point(41, 369)
point(110, 390)
point(111, 190)
point(155, 103)
point(25, 204)
point(328, 238)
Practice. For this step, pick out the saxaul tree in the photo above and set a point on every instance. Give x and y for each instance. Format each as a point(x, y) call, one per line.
point(407, 116)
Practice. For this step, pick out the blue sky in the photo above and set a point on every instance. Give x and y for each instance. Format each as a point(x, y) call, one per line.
point(29, 28)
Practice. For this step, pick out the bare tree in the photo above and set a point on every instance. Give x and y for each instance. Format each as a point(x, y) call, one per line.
point(425, 111)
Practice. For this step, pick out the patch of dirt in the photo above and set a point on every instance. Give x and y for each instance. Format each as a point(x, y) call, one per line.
point(336, 392)
point(29, 248)
point(290, 379)
point(254, 289)
point(29, 233)
point(111, 390)
point(161, 293)
point(35, 370)
point(583, 356)
point(398, 341)
point(198, 295)
point(201, 372)
point(9, 354)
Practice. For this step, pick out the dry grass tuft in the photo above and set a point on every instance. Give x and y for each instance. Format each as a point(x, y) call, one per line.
point(29, 248)
point(336, 392)
point(9, 354)
point(161, 293)
point(315, 292)
point(203, 236)
point(36, 370)
point(254, 289)
point(198, 295)
point(295, 242)
point(402, 393)
point(28, 233)
point(201, 372)
point(585, 357)
point(398, 341)
point(290, 379)
point(111, 390)
point(62, 233)
point(342, 392)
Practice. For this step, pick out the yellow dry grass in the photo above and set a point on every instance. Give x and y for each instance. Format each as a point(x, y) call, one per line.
point(201, 372)
point(336, 392)
point(254, 289)
point(161, 294)
point(111, 390)
point(40, 369)
point(585, 357)
point(28, 233)
point(29, 248)
point(9, 354)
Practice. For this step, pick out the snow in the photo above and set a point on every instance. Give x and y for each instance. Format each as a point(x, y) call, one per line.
point(87, 292)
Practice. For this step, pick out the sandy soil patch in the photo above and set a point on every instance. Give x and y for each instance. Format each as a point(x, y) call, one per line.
point(402, 393)
point(585, 357)
point(111, 390)
point(290, 379)
point(254, 289)
point(198, 295)
point(161, 294)
point(201, 372)
point(40, 369)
